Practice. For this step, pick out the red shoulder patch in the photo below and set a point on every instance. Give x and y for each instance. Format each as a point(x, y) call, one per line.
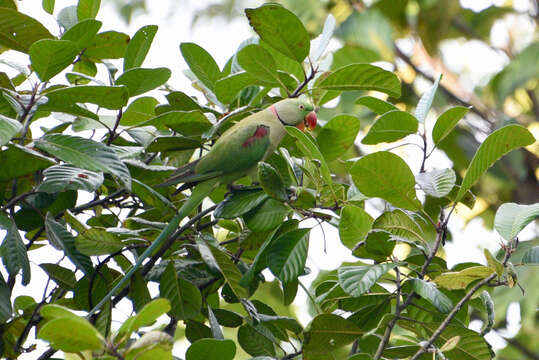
point(260, 132)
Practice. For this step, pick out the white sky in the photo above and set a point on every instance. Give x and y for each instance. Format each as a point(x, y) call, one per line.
point(221, 39)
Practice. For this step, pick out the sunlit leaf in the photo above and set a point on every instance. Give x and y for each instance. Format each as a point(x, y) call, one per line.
point(511, 218)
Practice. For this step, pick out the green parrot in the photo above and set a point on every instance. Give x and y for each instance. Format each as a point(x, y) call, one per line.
point(235, 154)
point(238, 151)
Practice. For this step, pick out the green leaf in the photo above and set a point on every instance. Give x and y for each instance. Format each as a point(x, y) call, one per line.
point(437, 183)
point(447, 122)
point(19, 31)
point(337, 136)
point(425, 102)
point(48, 6)
point(214, 325)
point(87, 9)
point(211, 349)
point(187, 123)
point(85, 153)
point(516, 73)
point(66, 177)
point(62, 276)
point(287, 255)
point(239, 203)
point(511, 218)
point(71, 334)
point(172, 143)
point(471, 346)
point(62, 239)
point(256, 340)
point(227, 88)
point(138, 47)
point(50, 57)
point(266, 216)
point(139, 111)
point(151, 197)
point(230, 272)
point(461, 279)
point(281, 29)
point(376, 105)
point(145, 317)
point(356, 280)
point(362, 77)
point(493, 263)
point(8, 129)
point(429, 292)
point(401, 225)
point(354, 225)
point(18, 160)
point(378, 245)
point(311, 151)
point(14, 255)
point(271, 182)
point(391, 126)
point(385, 175)
point(258, 62)
point(83, 33)
point(107, 45)
point(497, 144)
point(328, 332)
point(184, 297)
point(531, 256)
point(139, 80)
point(96, 241)
point(110, 97)
point(201, 64)
point(6, 309)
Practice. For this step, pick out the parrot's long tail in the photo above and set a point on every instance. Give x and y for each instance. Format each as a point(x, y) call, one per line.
point(197, 196)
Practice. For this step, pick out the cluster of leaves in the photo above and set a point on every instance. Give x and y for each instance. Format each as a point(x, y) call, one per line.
point(209, 270)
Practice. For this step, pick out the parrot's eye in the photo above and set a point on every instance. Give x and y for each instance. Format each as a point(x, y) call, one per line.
point(301, 107)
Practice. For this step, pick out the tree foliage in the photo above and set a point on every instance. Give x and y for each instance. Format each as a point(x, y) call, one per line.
point(86, 189)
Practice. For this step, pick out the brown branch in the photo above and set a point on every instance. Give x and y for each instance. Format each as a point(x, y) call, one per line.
point(297, 91)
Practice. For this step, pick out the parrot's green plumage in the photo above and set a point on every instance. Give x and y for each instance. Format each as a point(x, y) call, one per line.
point(238, 151)
point(235, 154)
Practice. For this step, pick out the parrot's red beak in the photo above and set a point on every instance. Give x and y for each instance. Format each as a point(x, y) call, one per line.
point(310, 120)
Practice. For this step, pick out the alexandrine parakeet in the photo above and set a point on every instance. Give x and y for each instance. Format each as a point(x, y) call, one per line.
point(239, 149)
point(235, 154)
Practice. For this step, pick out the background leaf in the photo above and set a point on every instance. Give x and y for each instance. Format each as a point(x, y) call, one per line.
point(139, 80)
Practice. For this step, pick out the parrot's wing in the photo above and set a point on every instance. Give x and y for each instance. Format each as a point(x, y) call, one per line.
point(237, 150)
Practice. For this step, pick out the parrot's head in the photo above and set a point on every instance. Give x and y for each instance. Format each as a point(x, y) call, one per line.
point(297, 112)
